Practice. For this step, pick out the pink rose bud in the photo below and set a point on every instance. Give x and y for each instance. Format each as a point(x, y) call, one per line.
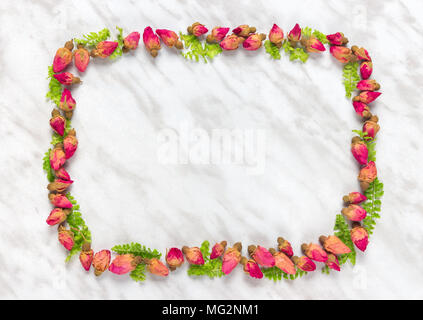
point(366, 69)
point(362, 109)
point(62, 174)
point(295, 34)
point(60, 200)
point(334, 245)
point(57, 122)
point(370, 85)
point(81, 58)
point(193, 255)
point(66, 78)
point(261, 255)
point(244, 30)
point(197, 29)
point(367, 96)
point(66, 237)
point(101, 262)
point(218, 250)
point(367, 175)
point(314, 45)
point(174, 258)
point(252, 268)
point(231, 42)
point(332, 262)
point(359, 236)
point(371, 127)
point(124, 263)
point(155, 266)
point(361, 53)
point(276, 35)
point(342, 54)
point(67, 103)
point(104, 49)
point(354, 212)
point(170, 38)
point(70, 143)
point(359, 150)
point(57, 157)
point(354, 198)
point(63, 57)
point(86, 256)
point(283, 262)
point(131, 41)
point(57, 215)
point(337, 39)
point(285, 247)
point(217, 34)
point(314, 252)
point(304, 263)
point(59, 185)
point(254, 41)
point(151, 41)
point(231, 258)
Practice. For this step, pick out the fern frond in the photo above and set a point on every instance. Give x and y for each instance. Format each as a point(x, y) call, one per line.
point(272, 49)
point(54, 88)
point(342, 231)
point(372, 205)
point(295, 53)
point(210, 268)
point(47, 167)
point(118, 51)
point(137, 250)
point(351, 78)
point(91, 39)
point(196, 50)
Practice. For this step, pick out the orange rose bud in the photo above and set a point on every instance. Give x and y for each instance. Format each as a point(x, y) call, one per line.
point(67, 103)
point(197, 29)
point(354, 212)
point(86, 256)
point(231, 258)
point(254, 41)
point(155, 266)
point(151, 41)
point(283, 262)
point(231, 42)
point(342, 54)
point(70, 143)
point(57, 122)
point(60, 200)
point(101, 262)
point(104, 49)
point(285, 247)
point(62, 174)
point(218, 250)
point(170, 38)
point(359, 236)
point(314, 252)
point(295, 34)
point(362, 109)
point(131, 41)
point(193, 255)
point(276, 35)
point(66, 78)
point(57, 157)
point(304, 263)
point(57, 215)
point(244, 30)
point(63, 57)
point(337, 39)
point(354, 198)
point(371, 127)
point(359, 150)
point(369, 85)
point(124, 263)
point(66, 237)
point(334, 245)
point(332, 262)
point(59, 185)
point(367, 175)
point(81, 58)
point(174, 258)
point(366, 69)
point(251, 268)
point(217, 34)
point(261, 255)
point(361, 53)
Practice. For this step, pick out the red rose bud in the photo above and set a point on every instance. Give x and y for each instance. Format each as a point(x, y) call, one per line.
point(174, 258)
point(314, 252)
point(66, 237)
point(370, 85)
point(104, 49)
point(86, 256)
point(70, 143)
point(67, 78)
point(367, 96)
point(371, 127)
point(359, 236)
point(366, 69)
point(218, 250)
point(101, 262)
point(63, 57)
point(253, 42)
point(170, 38)
point(304, 263)
point(283, 262)
point(155, 266)
point(59, 185)
point(252, 268)
point(359, 150)
point(62, 174)
point(244, 30)
point(334, 245)
point(197, 29)
point(337, 39)
point(276, 35)
point(124, 263)
point(261, 255)
point(131, 41)
point(361, 53)
point(67, 103)
point(354, 212)
point(217, 34)
point(231, 42)
point(231, 258)
point(367, 175)
point(362, 109)
point(57, 215)
point(193, 255)
point(332, 262)
point(285, 247)
point(295, 34)
point(314, 45)
point(354, 198)
point(57, 157)
point(81, 58)
point(60, 200)
point(342, 54)
point(57, 122)
point(151, 41)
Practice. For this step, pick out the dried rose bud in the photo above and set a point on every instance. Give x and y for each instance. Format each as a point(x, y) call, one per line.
point(334, 245)
point(231, 42)
point(314, 45)
point(59, 185)
point(131, 41)
point(70, 143)
point(359, 150)
point(66, 237)
point(57, 215)
point(60, 200)
point(362, 109)
point(81, 58)
point(63, 57)
point(197, 29)
point(354, 212)
point(57, 122)
point(295, 34)
point(193, 255)
point(261, 255)
point(244, 30)
point(62, 174)
point(367, 175)
point(217, 34)
point(371, 127)
point(285, 247)
point(252, 268)
point(337, 39)
point(67, 78)
point(155, 266)
point(170, 38)
point(86, 256)
point(354, 198)
point(314, 252)
point(283, 262)
point(254, 41)
point(359, 236)
point(104, 49)
point(304, 263)
point(124, 263)
point(332, 262)
point(366, 69)
point(101, 262)
point(57, 157)
point(342, 54)
point(369, 85)
point(151, 41)
point(218, 250)
point(361, 53)
point(276, 35)
point(67, 103)
point(174, 258)
point(231, 258)
point(367, 96)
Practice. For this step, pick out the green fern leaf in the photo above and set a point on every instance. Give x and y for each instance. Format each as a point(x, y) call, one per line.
point(351, 78)
point(91, 39)
point(272, 49)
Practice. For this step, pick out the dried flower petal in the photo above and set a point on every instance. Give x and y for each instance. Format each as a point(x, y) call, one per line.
point(217, 34)
point(63, 57)
point(155, 266)
point(285, 247)
point(151, 41)
point(334, 245)
point(367, 175)
point(170, 38)
point(314, 45)
point(124, 263)
point(67, 102)
point(283, 262)
point(62, 174)
point(304, 263)
point(354, 198)
point(174, 258)
point(367, 96)
point(314, 252)
point(254, 41)
point(57, 157)
point(252, 268)
point(70, 143)
point(66, 78)
point(132, 40)
point(359, 236)
point(81, 58)
point(197, 29)
point(231, 258)
point(366, 69)
point(104, 49)
point(354, 212)
point(332, 262)
point(342, 54)
point(359, 150)
point(59, 185)
point(101, 262)
point(57, 215)
point(261, 255)
point(295, 34)
point(244, 30)
point(218, 250)
point(66, 237)
point(369, 85)
point(57, 122)
point(60, 200)
point(276, 35)
point(361, 53)
point(362, 109)
point(337, 39)
point(231, 42)
point(86, 256)
point(193, 255)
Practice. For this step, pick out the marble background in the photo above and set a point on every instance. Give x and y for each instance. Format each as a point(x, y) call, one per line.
point(127, 193)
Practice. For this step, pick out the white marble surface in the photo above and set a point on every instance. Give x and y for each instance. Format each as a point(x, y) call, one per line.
point(127, 194)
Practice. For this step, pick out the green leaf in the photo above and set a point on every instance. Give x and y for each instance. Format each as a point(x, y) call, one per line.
point(91, 39)
point(210, 268)
point(372, 205)
point(342, 231)
point(47, 167)
point(276, 274)
point(54, 88)
point(295, 53)
point(137, 250)
point(196, 50)
point(138, 274)
point(351, 78)
point(118, 51)
point(272, 49)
